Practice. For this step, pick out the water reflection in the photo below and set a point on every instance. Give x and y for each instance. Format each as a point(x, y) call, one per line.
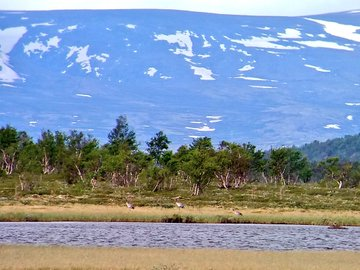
point(228, 236)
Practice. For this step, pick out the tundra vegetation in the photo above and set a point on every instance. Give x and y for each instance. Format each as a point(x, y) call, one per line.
point(73, 167)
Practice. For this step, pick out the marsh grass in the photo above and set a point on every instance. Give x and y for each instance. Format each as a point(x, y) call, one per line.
point(112, 213)
point(55, 257)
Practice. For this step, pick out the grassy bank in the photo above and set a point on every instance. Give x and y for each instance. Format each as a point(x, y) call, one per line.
point(51, 199)
point(29, 257)
point(79, 212)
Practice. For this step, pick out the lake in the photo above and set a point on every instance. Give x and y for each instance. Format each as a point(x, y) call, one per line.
point(166, 235)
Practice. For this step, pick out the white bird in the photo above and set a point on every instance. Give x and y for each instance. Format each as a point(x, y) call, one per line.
point(236, 212)
point(130, 205)
point(93, 183)
point(178, 203)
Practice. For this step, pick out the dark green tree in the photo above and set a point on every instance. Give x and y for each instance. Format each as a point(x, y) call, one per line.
point(199, 164)
point(52, 151)
point(12, 142)
point(123, 162)
point(288, 165)
point(29, 159)
point(335, 171)
point(47, 144)
point(124, 168)
point(157, 147)
point(233, 164)
point(159, 174)
point(331, 168)
point(354, 179)
point(121, 137)
point(80, 149)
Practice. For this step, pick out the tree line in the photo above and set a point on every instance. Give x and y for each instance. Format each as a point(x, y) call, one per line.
point(346, 148)
point(80, 157)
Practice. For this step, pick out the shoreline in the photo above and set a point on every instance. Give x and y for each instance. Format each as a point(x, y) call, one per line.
point(115, 213)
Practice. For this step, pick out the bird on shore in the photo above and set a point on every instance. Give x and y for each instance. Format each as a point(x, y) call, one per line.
point(130, 205)
point(178, 203)
point(93, 183)
point(336, 226)
point(236, 212)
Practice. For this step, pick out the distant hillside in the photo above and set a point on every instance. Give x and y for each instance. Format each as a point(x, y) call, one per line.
point(271, 81)
point(346, 148)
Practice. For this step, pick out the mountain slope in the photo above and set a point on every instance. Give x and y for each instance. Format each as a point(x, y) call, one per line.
point(268, 80)
point(346, 148)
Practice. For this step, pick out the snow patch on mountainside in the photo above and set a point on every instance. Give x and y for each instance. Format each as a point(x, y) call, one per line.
point(206, 42)
point(250, 78)
point(83, 95)
point(203, 125)
point(340, 30)
point(204, 128)
point(317, 68)
point(68, 29)
point(246, 68)
point(204, 55)
point(204, 73)
point(182, 39)
point(33, 123)
point(131, 26)
point(151, 71)
point(9, 37)
point(290, 33)
point(233, 48)
point(324, 44)
point(84, 59)
point(332, 126)
point(42, 24)
point(264, 28)
point(262, 42)
point(8, 85)
point(38, 47)
point(214, 118)
point(263, 86)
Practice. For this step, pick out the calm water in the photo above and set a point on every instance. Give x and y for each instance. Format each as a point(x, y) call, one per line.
point(231, 236)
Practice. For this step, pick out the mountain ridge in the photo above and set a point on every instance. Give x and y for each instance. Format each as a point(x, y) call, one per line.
point(346, 148)
point(268, 80)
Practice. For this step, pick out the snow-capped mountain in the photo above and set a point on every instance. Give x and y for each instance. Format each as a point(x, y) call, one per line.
point(270, 81)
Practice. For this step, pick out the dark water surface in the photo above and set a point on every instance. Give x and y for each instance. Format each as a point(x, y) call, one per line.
point(228, 236)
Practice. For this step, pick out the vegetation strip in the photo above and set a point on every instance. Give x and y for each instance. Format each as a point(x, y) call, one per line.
point(108, 213)
point(236, 180)
point(79, 158)
point(55, 257)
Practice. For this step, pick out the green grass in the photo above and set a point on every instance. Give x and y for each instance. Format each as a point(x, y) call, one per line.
point(53, 190)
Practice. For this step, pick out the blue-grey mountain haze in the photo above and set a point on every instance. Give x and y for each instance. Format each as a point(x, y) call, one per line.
point(270, 81)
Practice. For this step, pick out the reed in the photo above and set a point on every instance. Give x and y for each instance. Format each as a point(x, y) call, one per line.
point(112, 213)
point(55, 257)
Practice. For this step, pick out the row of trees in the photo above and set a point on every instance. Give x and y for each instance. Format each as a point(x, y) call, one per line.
point(80, 157)
point(346, 148)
